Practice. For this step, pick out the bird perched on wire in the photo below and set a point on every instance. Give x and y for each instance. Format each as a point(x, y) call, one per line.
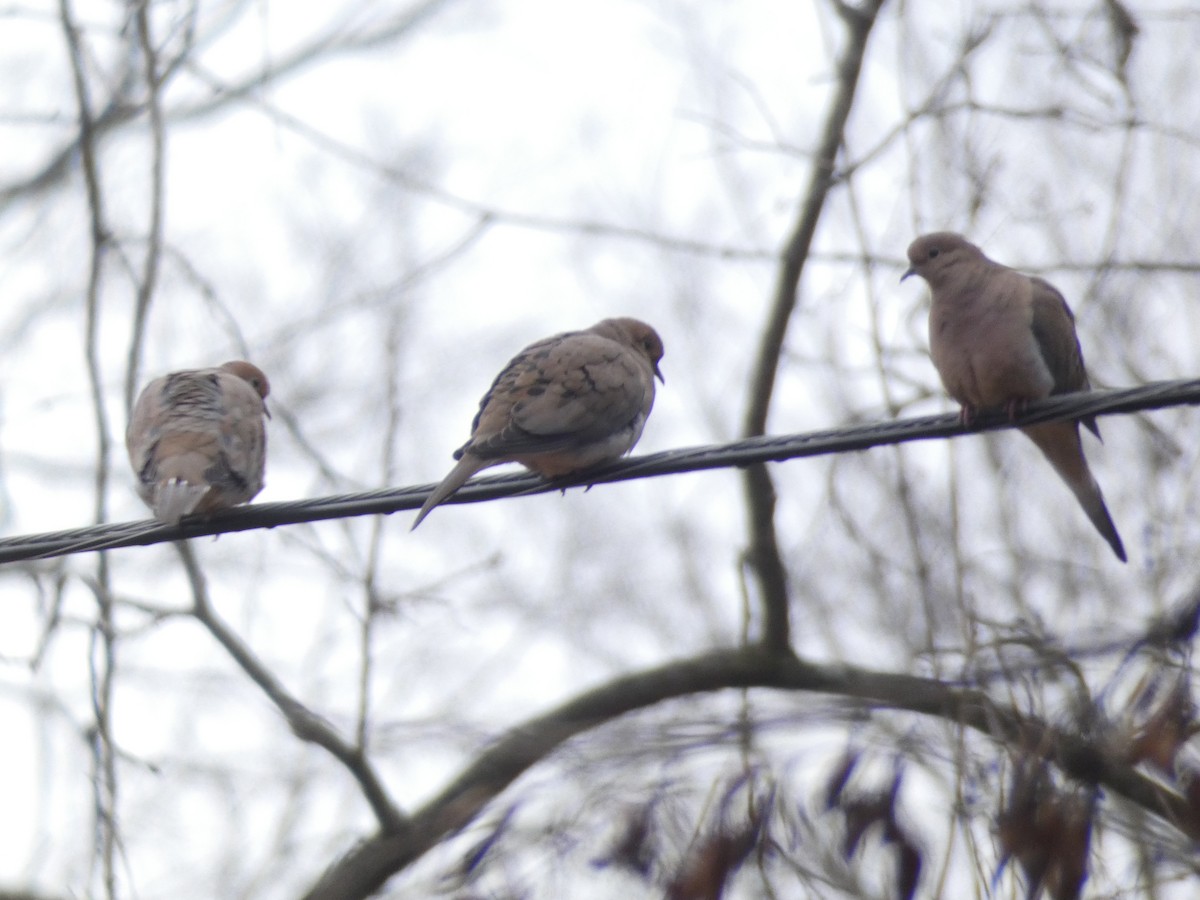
point(562, 405)
point(197, 441)
point(999, 338)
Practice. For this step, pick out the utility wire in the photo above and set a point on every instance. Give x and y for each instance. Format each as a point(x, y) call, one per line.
point(769, 448)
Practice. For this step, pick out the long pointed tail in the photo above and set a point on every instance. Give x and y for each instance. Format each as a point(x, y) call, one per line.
point(1060, 444)
point(175, 498)
point(467, 466)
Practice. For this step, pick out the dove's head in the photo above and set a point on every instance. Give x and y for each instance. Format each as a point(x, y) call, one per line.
point(636, 334)
point(936, 256)
point(253, 376)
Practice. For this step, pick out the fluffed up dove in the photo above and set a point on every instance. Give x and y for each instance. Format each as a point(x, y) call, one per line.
point(196, 439)
point(1002, 339)
point(562, 405)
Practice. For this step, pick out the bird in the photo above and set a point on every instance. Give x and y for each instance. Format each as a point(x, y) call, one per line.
point(562, 405)
point(1000, 338)
point(197, 441)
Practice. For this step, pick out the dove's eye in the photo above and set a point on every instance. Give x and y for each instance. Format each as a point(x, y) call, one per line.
point(934, 252)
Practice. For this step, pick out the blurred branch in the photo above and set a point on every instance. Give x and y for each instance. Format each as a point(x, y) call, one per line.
point(150, 264)
point(373, 602)
point(337, 40)
point(365, 868)
point(120, 110)
point(487, 215)
point(747, 452)
point(763, 554)
point(102, 635)
point(62, 164)
point(304, 723)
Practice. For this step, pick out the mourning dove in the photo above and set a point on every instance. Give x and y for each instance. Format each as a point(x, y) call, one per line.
point(1001, 339)
point(562, 405)
point(196, 439)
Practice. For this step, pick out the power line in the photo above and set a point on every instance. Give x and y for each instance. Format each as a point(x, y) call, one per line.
point(769, 448)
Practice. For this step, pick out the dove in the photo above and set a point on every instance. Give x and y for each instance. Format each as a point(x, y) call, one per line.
point(196, 439)
point(999, 338)
point(567, 403)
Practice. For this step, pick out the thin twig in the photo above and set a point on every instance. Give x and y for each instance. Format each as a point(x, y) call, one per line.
point(150, 263)
point(102, 655)
point(304, 723)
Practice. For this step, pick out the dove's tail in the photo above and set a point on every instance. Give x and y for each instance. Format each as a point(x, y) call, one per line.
point(1059, 442)
point(174, 498)
point(467, 466)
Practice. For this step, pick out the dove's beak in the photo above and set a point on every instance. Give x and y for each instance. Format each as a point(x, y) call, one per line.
point(912, 270)
point(658, 374)
point(266, 412)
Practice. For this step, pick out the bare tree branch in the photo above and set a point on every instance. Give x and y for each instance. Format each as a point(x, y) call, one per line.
point(119, 110)
point(154, 239)
point(305, 724)
point(763, 554)
point(102, 655)
point(365, 869)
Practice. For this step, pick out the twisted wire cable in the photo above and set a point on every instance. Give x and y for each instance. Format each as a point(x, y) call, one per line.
point(749, 451)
